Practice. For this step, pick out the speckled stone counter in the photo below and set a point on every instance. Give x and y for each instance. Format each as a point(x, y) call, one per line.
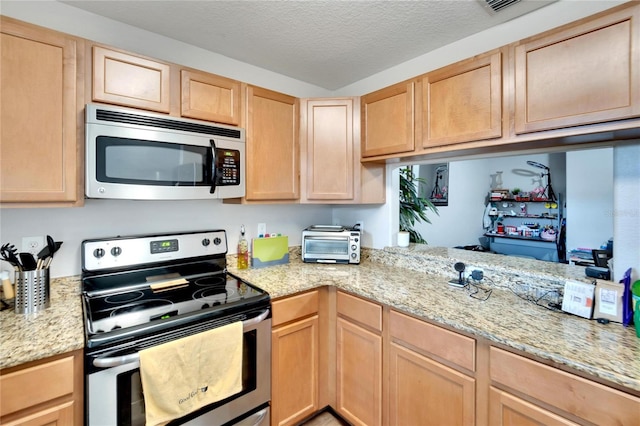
point(52, 331)
point(414, 280)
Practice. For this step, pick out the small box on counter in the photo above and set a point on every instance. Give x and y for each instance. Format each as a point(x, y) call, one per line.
point(578, 298)
point(609, 300)
point(269, 251)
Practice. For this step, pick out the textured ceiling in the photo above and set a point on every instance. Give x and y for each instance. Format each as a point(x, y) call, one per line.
point(330, 44)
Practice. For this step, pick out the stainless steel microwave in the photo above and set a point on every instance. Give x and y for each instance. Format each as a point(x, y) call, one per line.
point(330, 244)
point(138, 155)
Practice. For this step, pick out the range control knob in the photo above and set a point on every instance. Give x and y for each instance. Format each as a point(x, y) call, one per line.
point(353, 255)
point(217, 241)
point(98, 253)
point(206, 242)
point(116, 251)
point(353, 247)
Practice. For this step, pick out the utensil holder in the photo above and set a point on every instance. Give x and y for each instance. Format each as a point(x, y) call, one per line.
point(32, 291)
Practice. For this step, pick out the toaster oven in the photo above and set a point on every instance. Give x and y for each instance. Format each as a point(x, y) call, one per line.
point(330, 244)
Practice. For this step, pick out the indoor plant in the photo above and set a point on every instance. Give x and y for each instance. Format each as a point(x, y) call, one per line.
point(413, 203)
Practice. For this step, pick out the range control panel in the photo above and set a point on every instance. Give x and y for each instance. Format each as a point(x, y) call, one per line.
point(120, 252)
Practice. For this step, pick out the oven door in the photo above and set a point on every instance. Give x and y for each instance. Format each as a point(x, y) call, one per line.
point(114, 393)
point(325, 249)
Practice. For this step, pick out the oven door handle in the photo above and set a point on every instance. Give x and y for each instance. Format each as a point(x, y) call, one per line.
point(126, 359)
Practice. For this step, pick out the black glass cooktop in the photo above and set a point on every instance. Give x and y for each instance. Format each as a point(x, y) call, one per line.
point(173, 297)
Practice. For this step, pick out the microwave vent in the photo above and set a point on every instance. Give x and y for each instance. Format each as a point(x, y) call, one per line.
point(165, 123)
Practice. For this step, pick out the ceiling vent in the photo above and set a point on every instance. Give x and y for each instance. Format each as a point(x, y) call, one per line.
point(498, 5)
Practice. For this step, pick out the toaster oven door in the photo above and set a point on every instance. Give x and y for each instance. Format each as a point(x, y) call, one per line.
point(326, 249)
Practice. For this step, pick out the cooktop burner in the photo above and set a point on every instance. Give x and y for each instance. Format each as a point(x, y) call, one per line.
point(136, 286)
point(128, 309)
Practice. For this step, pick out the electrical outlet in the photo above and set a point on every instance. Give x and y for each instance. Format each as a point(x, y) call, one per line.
point(360, 225)
point(262, 229)
point(32, 245)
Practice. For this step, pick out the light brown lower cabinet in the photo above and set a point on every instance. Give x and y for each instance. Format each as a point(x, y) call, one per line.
point(550, 390)
point(359, 360)
point(42, 393)
point(294, 358)
point(506, 409)
point(425, 392)
point(384, 367)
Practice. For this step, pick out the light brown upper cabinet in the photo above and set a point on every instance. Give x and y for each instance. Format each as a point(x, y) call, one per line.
point(463, 102)
point(587, 73)
point(330, 166)
point(272, 171)
point(209, 97)
point(388, 120)
point(125, 79)
point(41, 132)
point(327, 149)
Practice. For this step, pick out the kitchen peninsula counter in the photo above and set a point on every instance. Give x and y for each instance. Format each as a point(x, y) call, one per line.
point(411, 280)
point(396, 277)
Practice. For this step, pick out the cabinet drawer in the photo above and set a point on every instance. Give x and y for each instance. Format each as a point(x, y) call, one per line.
point(360, 310)
point(35, 385)
point(294, 307)
point(445, 344)
point(591, 401)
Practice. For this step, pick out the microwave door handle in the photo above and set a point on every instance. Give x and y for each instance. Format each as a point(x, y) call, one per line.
point(126, 359)
point(214, 162)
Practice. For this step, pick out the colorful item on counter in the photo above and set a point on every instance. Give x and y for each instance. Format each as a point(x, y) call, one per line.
point(273, 250)
point(627, 309)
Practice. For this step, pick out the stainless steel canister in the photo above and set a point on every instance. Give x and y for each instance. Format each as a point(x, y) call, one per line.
point(32, 291)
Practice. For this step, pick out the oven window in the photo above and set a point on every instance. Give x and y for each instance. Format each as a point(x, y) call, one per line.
point(131, 399)
point(327, 246)
point(133, 161)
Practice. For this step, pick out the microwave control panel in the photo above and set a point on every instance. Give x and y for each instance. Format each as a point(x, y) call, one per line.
point(227, 167)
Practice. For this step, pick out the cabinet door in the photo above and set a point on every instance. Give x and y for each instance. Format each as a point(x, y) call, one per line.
point(294, 383)
point(508, 410)
point(327, 151)
point(588, 73)
point(272, 146)
point(463, 102)
point(59, 415)
point(124, 79)
point(388, 120)
point(210, 97)
point(424, 392)
point(359, 374)
point(40, 115)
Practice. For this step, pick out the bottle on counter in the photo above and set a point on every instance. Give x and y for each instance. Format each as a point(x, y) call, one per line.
point(243, 250)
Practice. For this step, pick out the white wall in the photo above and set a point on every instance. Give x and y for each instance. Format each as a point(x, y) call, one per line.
point(109, 218)
point(626, 210)
point(589, 198)
point(460, 222)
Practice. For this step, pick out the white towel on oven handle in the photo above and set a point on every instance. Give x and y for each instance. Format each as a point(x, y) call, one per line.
point(186, 374)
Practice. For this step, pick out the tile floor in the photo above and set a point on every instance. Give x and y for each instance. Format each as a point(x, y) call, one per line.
point(325, 419)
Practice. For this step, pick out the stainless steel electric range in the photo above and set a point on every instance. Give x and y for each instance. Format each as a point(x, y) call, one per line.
point(142, 291)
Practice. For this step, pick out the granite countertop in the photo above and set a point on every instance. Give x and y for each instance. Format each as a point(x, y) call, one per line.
point(610, 352)
point(412, 280)
point(52, 331)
